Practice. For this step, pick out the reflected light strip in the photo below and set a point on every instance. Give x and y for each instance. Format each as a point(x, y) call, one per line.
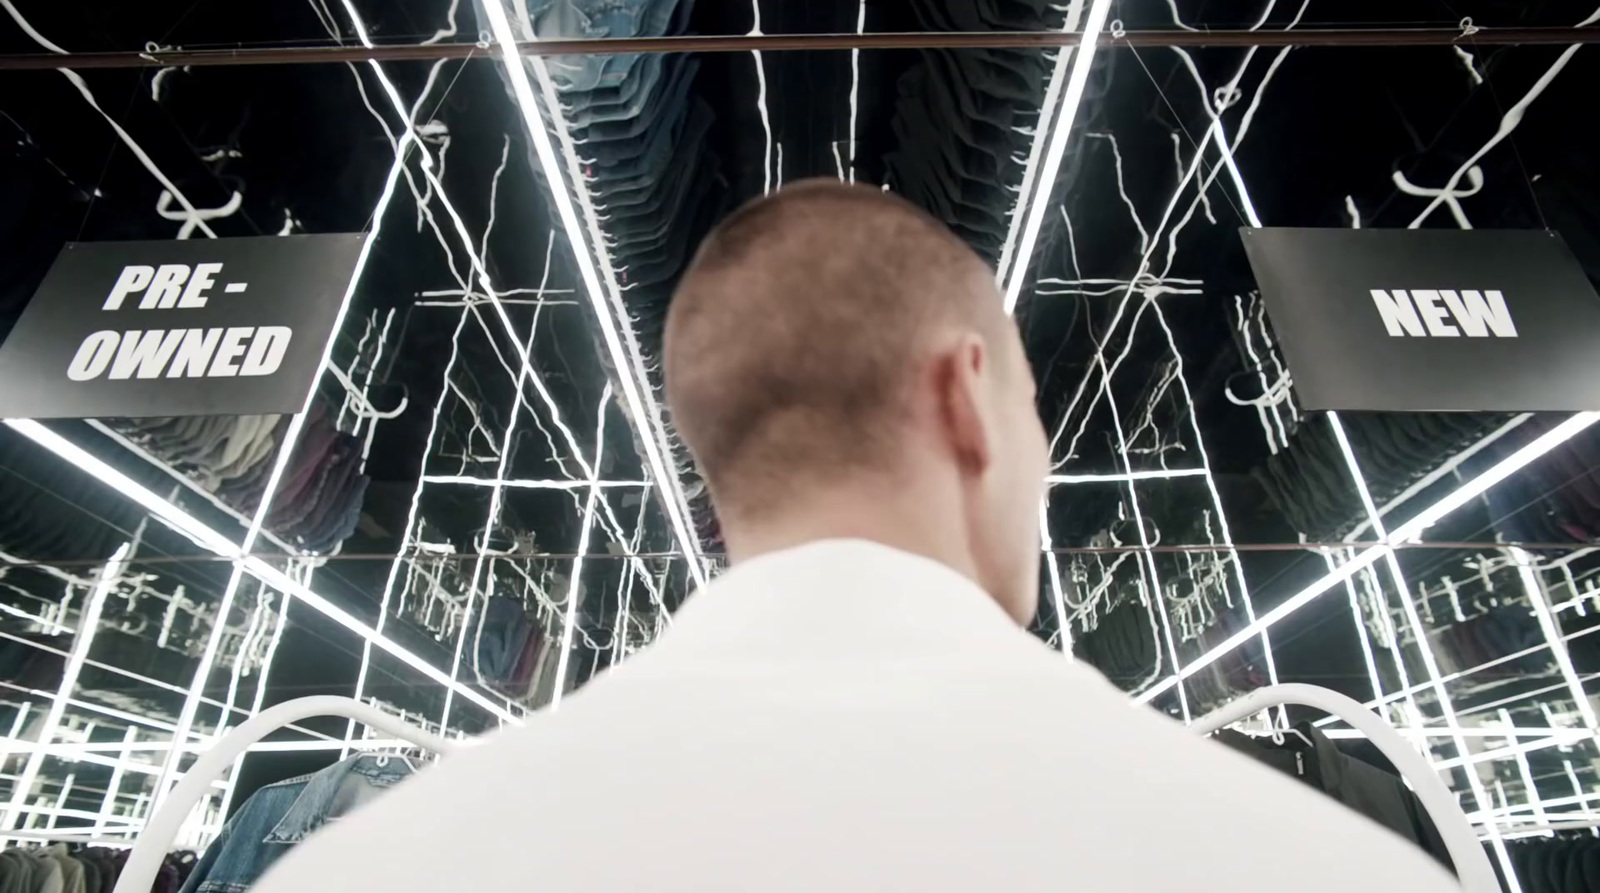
point(1082, 59)
point(1153, 475)
point(1552, 634)
point(469, 481)
point(214, 542)
point(88, 625)
point(633, 398)
point(1410, 530)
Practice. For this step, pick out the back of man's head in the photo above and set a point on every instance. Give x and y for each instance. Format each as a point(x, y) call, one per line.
point(793, 337)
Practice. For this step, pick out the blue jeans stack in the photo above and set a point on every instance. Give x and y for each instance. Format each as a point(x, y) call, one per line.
point(639, 133)
point(958, 115)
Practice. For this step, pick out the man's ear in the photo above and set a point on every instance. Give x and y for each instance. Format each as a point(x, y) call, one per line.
point(965, 414)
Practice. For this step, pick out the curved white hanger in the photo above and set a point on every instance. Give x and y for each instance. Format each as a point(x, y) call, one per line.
point(1472, 864)
point(144, 861)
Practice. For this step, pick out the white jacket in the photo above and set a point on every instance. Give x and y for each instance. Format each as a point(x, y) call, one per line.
point(847, 717)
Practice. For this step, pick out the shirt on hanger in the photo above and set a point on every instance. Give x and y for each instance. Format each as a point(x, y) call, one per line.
point(845, 716)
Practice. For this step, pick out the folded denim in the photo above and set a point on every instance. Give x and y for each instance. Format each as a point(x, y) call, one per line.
point(341, 521)
point(668, 96)
point(641, 189)
point(952, 96)
point(650, 154)
point(503, 629)
point(581, 108)
point(593, 19)
point(666, 264)
point(984, 199)
point(645, 231)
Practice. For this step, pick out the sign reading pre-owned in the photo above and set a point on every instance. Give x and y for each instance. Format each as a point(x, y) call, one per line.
point(197, 327)
point(1426, 320)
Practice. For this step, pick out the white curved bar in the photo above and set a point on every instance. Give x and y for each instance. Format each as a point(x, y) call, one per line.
point(1472, 864)
point(144, 861)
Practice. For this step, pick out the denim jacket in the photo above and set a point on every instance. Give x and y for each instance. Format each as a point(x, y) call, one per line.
point(278, 816)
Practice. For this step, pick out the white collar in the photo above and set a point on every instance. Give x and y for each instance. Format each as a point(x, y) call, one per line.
point(842, 600)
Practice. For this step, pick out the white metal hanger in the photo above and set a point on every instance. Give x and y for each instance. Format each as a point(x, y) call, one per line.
point(144, 861)
point(1472, 865)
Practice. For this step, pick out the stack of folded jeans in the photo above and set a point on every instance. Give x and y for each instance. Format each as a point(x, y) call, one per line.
point(318, 501)
point(640, 135)
point(1310, 482)
point(962, 117)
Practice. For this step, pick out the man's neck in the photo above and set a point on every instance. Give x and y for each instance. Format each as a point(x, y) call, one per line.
point(891, 522)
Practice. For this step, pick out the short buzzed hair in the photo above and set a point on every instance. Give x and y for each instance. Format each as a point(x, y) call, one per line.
point(791, 339)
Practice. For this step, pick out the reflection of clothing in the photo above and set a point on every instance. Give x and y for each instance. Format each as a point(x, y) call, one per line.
point(278, 816)
point(318, 501)
point(845, 716)
point(1556, 865)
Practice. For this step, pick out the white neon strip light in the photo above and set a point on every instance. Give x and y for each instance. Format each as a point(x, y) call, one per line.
point(1152, 475)
point(1030, 170)
point(1430, 662)
point(671, 487)
point(214, 542)
point(1216, 496)
point(1386, 699)
point(1440, 473)
point(1552, 634)
point(1053, 566)
point(411, 522)
point(108, 803)
point(574, 589)
point(280, 465)
point(1040, 205)
point(855, 85)
point(1406, 532)
point(496, 494)
point(633, 396)
point(1529, 786)
point(1361, 632)
point(469, 481)
point(88, 625)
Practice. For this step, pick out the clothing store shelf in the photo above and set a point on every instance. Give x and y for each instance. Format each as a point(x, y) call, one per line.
point(145, 859)
point(1472, 864)
point(189, 484)
point(193, 487)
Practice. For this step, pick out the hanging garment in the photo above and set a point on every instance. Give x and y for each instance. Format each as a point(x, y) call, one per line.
point(845, 716)
point(1381, 796)
point(278, 816)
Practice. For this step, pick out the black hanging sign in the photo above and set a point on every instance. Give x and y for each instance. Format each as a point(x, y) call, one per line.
point(1431, 320)
point(194, 327)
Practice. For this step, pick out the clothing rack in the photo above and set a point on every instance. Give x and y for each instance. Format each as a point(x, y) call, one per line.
point(144, 861)
point(1472, 865)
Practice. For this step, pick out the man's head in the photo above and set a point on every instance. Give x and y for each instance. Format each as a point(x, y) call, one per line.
point(833, 345)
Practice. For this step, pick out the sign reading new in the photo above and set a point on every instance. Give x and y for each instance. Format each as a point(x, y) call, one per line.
point(1430, 320)
point(198, 327)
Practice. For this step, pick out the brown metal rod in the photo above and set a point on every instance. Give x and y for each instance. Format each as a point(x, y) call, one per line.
point(675, 556)
point(1342, 37)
